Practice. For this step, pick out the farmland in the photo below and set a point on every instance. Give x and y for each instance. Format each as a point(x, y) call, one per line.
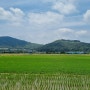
point(44, 72)
point(77, 64)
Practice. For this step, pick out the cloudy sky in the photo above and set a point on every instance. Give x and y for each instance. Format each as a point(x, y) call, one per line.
point(43, 21)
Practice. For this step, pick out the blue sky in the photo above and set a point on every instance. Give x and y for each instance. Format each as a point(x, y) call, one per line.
point(43, 21)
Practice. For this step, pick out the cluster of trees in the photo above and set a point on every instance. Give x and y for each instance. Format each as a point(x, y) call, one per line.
point(15, 50)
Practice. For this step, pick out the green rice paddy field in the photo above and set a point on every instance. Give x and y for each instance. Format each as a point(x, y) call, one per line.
point(44, 72)
point(77, 64)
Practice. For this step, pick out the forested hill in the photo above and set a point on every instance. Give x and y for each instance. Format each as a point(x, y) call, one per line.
point(65, 46)
point(56, 46)
point(9, 42)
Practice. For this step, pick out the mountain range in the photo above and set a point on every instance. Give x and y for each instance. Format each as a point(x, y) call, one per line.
point(56, 46)
point(10, 42)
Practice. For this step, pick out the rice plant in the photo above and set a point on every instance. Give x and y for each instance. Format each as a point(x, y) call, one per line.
point(12, 81)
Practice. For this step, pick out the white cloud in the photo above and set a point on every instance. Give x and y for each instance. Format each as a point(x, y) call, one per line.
point(67, 33)
point(87, 16)
point(81, 32)
point(64, 7)
point(45, 19)
point(14, 15)
point(17, 12)
point(5, 15)
point(65, 30)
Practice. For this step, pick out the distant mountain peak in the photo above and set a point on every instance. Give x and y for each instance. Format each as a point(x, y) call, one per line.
point(7, 41)
point(10, 42)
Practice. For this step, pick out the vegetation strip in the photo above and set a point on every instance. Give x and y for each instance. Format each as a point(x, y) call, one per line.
point(44, 82)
